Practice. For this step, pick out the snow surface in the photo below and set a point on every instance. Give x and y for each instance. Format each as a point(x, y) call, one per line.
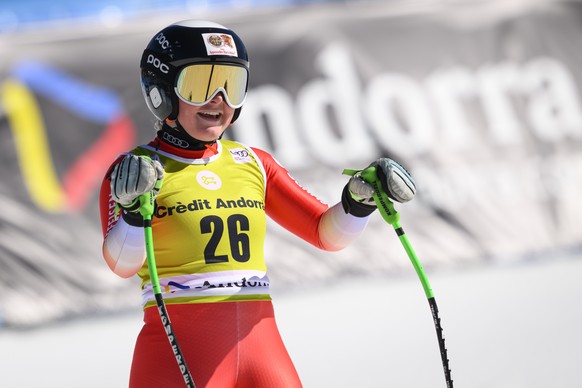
point(505, 327)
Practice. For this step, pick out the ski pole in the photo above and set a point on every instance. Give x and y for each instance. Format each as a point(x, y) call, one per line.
point(147, 210)
point(391, 216)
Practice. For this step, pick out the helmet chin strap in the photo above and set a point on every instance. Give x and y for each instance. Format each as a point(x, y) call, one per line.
point(177, 136)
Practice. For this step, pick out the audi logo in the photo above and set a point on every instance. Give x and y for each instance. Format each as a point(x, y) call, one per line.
point(175, 141)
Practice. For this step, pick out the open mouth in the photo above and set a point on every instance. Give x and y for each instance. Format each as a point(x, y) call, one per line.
point(210, 115)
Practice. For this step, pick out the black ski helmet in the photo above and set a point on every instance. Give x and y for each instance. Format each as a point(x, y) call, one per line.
point(181, 44)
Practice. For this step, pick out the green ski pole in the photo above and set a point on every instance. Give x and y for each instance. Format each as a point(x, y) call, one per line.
point(391, 216)
point(147, 210)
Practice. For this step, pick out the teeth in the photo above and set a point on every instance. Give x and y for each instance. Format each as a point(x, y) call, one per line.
point(213, 114)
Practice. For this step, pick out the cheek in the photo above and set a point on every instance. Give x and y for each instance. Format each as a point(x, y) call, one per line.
point(229, 114)
point(185, 110)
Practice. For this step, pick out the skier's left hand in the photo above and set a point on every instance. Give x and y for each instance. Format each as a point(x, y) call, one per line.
point(396, 181)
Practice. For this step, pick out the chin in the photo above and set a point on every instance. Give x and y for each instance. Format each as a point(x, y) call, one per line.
point(211, 134)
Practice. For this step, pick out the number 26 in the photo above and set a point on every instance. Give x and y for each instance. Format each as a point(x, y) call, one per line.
point(236, 224)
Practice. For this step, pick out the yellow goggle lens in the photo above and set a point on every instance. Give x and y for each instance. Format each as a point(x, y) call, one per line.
point(198, 84)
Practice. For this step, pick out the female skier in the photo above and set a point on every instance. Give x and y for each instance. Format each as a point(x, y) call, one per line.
point(209, 222)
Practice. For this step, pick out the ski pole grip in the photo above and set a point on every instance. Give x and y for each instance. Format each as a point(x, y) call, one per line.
point(146, 207)
point(368, 175)
point(382, 200)
point(147, 201)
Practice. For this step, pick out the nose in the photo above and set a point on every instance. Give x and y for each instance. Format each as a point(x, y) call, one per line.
point(218, 98)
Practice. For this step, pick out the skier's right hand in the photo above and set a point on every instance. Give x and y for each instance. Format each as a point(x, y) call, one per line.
point(133, 176)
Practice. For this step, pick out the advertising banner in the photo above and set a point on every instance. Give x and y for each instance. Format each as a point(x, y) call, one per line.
point(481, 103)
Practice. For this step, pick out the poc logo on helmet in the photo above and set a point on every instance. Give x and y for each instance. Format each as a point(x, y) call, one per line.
point(158, 64)
point(163, 41)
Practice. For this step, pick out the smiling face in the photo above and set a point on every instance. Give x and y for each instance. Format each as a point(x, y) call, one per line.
point(206, 122)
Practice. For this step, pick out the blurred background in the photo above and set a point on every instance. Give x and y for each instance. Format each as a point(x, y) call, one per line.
point(480, 100)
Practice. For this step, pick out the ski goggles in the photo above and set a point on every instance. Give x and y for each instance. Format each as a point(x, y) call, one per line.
point(198, 84)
